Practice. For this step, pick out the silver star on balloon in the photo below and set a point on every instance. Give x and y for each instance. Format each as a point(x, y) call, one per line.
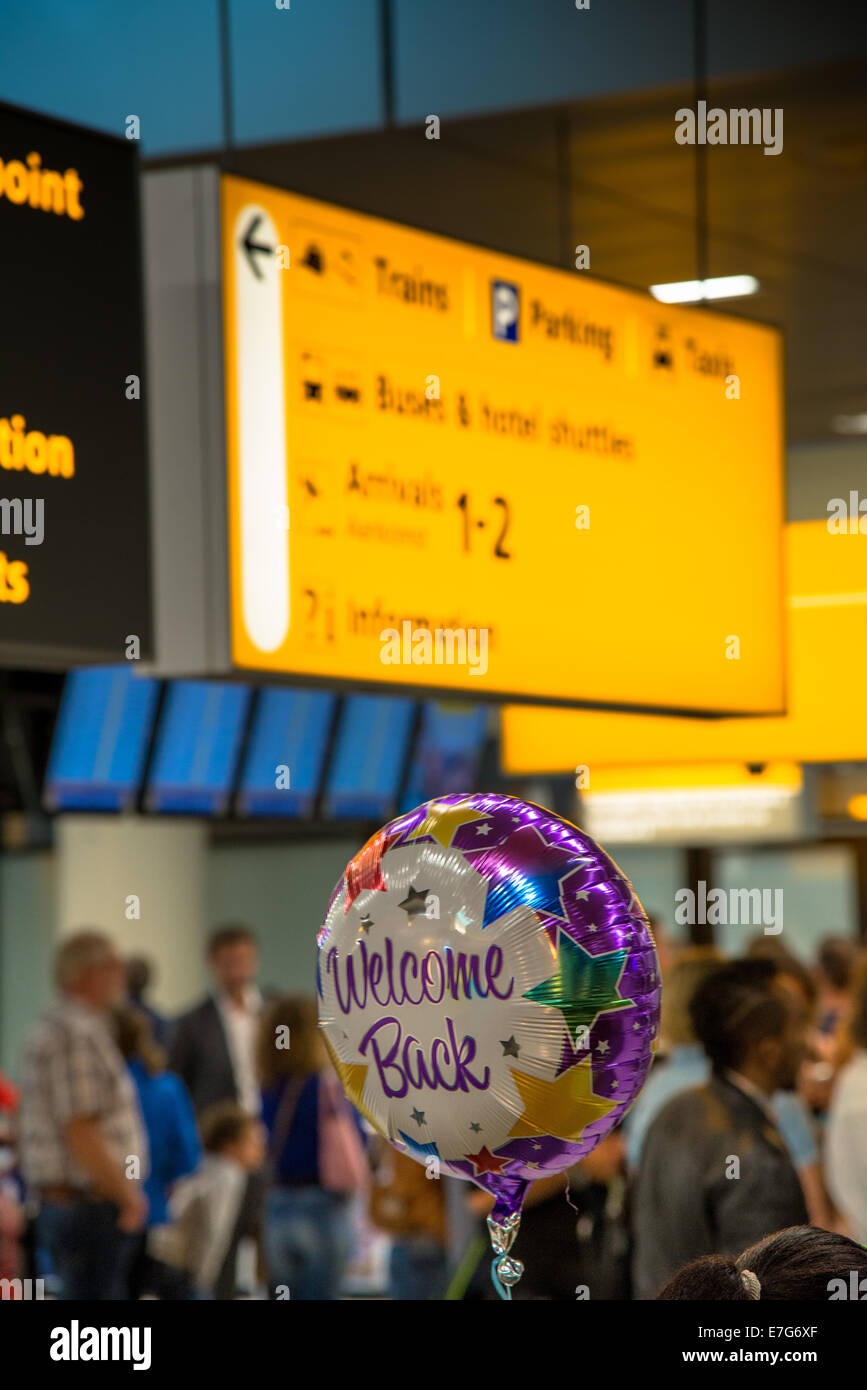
point(414, 903)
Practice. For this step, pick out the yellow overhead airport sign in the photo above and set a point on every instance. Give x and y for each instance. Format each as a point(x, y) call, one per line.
point(827, 678)
point(450, 468)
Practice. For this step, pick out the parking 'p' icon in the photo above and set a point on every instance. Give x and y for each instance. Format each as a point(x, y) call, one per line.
point(505, 311)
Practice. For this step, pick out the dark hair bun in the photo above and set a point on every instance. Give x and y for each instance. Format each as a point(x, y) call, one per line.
point(711, 1277)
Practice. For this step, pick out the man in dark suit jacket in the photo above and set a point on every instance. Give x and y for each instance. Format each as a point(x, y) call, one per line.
point(715, 1175)
point(213, 1046)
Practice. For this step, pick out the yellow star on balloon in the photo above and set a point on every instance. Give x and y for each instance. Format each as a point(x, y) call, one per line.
point(444, 819)
point(563, 1108)
point(352, 1078)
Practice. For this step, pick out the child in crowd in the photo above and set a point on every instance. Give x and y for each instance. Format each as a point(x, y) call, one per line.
point(207, 1207)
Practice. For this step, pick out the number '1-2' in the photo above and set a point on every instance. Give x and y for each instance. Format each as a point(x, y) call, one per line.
point(499, 549)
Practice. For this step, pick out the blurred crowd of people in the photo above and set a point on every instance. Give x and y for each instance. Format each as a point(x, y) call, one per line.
point(215, 1155)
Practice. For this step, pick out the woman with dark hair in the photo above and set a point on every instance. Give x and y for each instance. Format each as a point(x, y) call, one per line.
point(173, 1142)
point(317, 1159)
point(800, 1263)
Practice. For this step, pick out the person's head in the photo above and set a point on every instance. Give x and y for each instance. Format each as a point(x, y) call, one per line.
point(681, 983)
point(796, 979)
point(835, 963)
point(134, 1036)
point(233, 956)
point(801, 1262)
point(858, 1018)
point(139, 976)
point(290, 1043)
point(87, 967)
point(230, 1132)
point(791, 974)
point(766, 947)
point(746, 1021)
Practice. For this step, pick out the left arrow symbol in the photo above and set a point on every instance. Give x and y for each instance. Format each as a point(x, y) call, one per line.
point(251, 247)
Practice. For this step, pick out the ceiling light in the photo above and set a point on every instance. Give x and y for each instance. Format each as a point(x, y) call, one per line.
point(695, 291)
point(849, 424)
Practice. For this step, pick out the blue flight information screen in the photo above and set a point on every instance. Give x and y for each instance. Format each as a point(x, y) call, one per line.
point(197, 746)
point(101, 739)
point(369, 755)
point(447, 752)
point(285, 755)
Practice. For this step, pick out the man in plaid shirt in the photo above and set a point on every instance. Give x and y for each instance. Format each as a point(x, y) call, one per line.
point(80, 1130)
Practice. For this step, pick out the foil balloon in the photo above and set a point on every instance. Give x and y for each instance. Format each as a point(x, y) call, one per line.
point(489, 994)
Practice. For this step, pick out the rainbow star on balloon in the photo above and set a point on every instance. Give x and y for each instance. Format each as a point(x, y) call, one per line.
point(582, 986)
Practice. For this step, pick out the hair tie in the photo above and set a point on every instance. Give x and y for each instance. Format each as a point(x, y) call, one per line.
point(751, 1283)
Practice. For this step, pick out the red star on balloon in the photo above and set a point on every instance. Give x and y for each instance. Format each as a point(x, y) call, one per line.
point(485, 1162)
point(365, 870)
